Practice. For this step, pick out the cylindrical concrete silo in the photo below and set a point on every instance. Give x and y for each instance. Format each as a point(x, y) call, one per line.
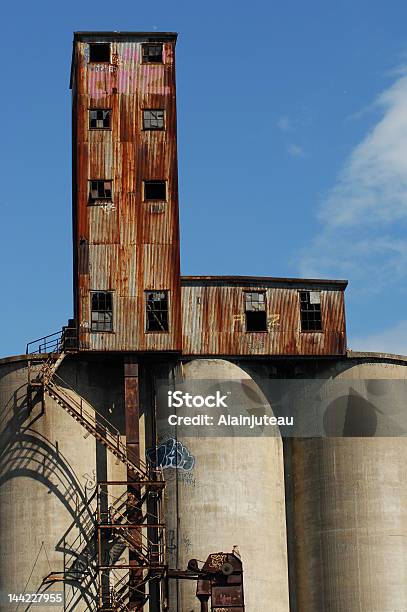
point(233, 496)
point(349, 520)
point(48, 474)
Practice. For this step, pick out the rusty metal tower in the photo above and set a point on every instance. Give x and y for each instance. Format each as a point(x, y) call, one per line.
point(126, 258)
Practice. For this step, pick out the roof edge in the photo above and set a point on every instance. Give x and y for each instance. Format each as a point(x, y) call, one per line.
point(85, 36)
point(373, 355)
point(24, 357)
point(245, 280)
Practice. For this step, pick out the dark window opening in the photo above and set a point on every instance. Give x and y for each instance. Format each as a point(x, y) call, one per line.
point(155, 190)
point(255, 311)
point(152, 54)
point(102, 311)
point(310, 304)
point(99, 118)
point(99, 52)
point(100, 190)
point(157, 311)
point(153, 119)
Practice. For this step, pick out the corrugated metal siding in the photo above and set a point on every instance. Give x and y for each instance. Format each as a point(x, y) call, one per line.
point(133, 245)
point(213, 322)
point(129, 246)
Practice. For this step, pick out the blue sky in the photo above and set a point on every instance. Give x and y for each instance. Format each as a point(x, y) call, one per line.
point(292, 151)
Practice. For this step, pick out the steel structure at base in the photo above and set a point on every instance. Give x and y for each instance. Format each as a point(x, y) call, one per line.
point(144, 538)
point(128, 512)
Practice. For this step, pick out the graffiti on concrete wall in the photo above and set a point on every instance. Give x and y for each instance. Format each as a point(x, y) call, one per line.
point(171, 454)
point(90, 481)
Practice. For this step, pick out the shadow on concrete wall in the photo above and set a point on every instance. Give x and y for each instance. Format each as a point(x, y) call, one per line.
point(350, 416)
point(25, 453)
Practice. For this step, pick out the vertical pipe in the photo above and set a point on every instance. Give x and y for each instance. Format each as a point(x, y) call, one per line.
point(99, 545)
point(134, 515)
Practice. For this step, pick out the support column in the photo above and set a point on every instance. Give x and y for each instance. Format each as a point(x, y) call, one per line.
point(134, 514)
point(132, 408)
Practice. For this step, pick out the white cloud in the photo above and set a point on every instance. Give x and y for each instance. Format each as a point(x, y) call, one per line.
point(391, 340)
point(373, 183)
point(295, 150)
point(362, 217)
point(285, 124)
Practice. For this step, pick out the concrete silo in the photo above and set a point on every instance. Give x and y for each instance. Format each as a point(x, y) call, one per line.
point(233, 495)
point(50, 467)
point(348, 502)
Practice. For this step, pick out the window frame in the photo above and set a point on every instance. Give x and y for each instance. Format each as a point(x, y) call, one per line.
point(152, 44)
point(95, 44)
point(263, 292)
point(106, 129)
point(92, 310)
point(93, 201)
point(165, 181)
point(153, 129)
point(156, 331)
point(310, 331)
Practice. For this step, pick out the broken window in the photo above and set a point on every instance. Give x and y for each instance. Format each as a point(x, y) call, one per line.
point(155, 190)
point(255, 311)
point(102, 311)
point(99, 52)
point(153, 119)
point(310, 304)
point(152, 53)
point(157, 311)
point(99, 118)
point(100, 190)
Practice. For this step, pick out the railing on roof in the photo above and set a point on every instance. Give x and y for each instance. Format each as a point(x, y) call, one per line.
point(63, 340)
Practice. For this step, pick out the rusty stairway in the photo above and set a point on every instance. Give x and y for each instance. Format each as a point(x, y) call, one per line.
point(135, 520)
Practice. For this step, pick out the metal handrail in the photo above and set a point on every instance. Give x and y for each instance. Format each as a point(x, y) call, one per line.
point(44, 343)
point(105, 422)
point(100, 416)
point(52, 343)
point(112, 439)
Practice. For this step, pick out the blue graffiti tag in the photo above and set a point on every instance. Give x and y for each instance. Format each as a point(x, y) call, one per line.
point(171, 454)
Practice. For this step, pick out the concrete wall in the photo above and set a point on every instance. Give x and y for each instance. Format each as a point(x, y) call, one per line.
point(233, 496)
point(348, 523)
point(346, 497)
point(49, 467)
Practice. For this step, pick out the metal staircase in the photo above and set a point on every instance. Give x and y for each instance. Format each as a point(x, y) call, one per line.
point(95, 424)
point(131, 523)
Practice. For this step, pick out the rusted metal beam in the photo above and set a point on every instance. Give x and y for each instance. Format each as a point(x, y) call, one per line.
point(134, 509)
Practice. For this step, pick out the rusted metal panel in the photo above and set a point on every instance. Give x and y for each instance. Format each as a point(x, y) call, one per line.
point(132, 416)
point(130, 126)
point(124, 175)
point(133, 245)
point(104, 223)
point(129, 220)
point(213, 318)
point(101, 160)
point(227, 595)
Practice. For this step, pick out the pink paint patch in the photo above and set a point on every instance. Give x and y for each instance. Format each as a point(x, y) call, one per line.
point(130, 55)
point(101, 81)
